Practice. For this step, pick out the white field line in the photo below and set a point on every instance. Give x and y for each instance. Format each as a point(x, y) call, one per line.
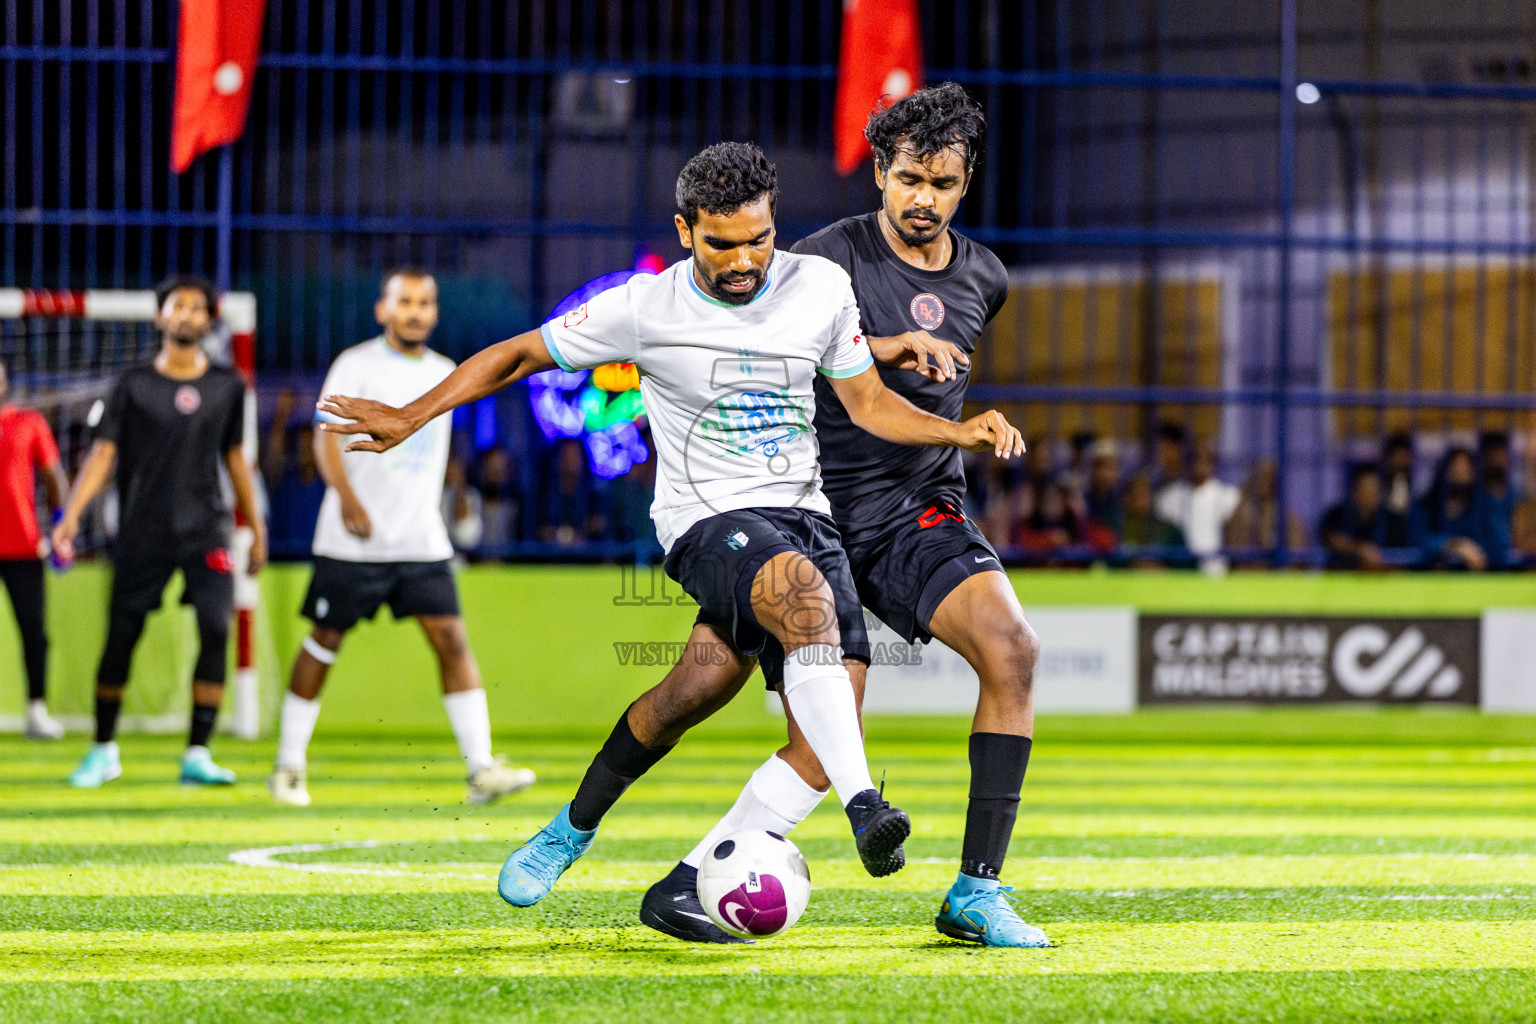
point(266, 857)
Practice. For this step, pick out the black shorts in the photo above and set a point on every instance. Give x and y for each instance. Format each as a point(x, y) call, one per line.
point(905, 571)
point(716, 562)
point(138, 582)
point(341, 593)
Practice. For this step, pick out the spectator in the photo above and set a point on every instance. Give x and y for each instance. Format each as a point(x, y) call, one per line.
point(294, 486)
point(1397, 489)
point(1140, 528)
point(1039, 466)
point(462, 507)
point(1004, 501)
point(1354, 531)
point(1453, 524)
point(1103, 514)
point(501, 499)
point(1200, 507)
point(570, 506)
point(1170, 449)
point(1052, 526)
point(1075, 477)
point(1255, 526)
point(1498, 483)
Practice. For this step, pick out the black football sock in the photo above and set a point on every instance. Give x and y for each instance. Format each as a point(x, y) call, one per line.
point(622, 760)
point(997, 774)
point(106, 719)
point(203, 718)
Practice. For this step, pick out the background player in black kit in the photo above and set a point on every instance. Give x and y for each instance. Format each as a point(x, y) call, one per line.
point(924, 293)
point(169, 427)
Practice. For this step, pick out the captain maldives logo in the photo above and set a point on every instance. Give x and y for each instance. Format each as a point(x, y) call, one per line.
point(927, 310)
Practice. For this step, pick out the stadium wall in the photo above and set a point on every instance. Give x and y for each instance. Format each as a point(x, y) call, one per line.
point(562, 647)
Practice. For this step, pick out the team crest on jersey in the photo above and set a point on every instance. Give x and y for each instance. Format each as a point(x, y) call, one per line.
point(188, 399)
point(575, 316)
point(927, 310)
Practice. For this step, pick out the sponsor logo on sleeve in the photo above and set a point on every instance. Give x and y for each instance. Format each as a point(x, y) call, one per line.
point(575, 316)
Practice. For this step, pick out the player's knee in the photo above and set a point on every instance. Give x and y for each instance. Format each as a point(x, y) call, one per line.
point(123, 630)
point(795, 602)
point(213, 649)
point(328, 638)
point(1013, 653)
point(450, 640)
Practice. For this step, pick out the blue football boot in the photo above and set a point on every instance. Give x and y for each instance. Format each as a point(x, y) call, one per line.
point(980, 910)
point(198, 769)
point(101, 765)
point(535, 867)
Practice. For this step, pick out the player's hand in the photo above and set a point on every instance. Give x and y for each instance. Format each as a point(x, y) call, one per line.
point(990, 432)
point(355, 518)
point(258, 556)
point(920, 352)
point(63, 538)
point(385, 425)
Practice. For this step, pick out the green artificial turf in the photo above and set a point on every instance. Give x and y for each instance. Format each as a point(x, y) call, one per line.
point(1264, 865)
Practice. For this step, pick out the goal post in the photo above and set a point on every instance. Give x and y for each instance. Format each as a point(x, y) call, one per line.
point(233, 341)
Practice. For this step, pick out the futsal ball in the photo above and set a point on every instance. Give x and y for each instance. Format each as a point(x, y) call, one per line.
point(754, 884)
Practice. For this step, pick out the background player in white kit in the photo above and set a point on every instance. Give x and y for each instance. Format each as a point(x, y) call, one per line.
point(381, 539)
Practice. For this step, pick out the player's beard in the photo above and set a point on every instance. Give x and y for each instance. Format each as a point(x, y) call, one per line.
point(729, 297)
point(185, 340)
point(912, 236)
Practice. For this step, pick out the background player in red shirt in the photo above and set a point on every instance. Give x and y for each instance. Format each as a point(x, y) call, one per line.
point(27, 448)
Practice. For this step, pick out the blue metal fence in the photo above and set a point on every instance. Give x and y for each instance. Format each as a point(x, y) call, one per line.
point(1348, 168)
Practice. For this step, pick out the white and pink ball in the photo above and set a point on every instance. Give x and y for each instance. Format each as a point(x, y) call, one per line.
point(754, 884)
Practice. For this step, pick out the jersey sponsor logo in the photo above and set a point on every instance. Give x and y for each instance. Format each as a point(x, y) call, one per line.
point(858, 339)
point(928, 310)
point(575, 316)
point(188, 399)
point(737, 540)
point(937, 513)
point(219, 561)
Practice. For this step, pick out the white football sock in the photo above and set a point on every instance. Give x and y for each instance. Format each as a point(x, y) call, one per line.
point(471, 723)
point(775, 799)
point(820, 695)
point(299, 716)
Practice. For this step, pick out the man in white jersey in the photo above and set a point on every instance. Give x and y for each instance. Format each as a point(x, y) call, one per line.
point(381, 539)
point(727, 345)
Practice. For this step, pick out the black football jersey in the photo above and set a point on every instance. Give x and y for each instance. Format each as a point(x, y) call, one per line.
point(171, 437)
point(871, 482)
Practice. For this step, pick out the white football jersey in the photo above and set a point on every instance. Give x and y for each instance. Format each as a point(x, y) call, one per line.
point(727, 389)
point(401, 489)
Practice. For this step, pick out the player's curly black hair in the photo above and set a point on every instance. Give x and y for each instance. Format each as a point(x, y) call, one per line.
point(724, 178)
point(927, 122)
point(197, 282)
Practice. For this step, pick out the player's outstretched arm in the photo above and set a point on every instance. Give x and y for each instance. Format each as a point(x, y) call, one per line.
point(887, 415)
point(483, 373)
point(91, 482)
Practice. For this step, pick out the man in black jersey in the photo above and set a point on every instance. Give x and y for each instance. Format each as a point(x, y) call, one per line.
point(168, 427)
point(924, 292)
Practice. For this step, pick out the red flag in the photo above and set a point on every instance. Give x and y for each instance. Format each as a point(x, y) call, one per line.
point(882, 56)
point(216, 51)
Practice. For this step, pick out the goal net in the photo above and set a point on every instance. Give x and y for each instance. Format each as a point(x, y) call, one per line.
point(64, 350)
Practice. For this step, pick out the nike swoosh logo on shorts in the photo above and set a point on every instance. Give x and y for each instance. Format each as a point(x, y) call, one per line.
point(988, 558)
